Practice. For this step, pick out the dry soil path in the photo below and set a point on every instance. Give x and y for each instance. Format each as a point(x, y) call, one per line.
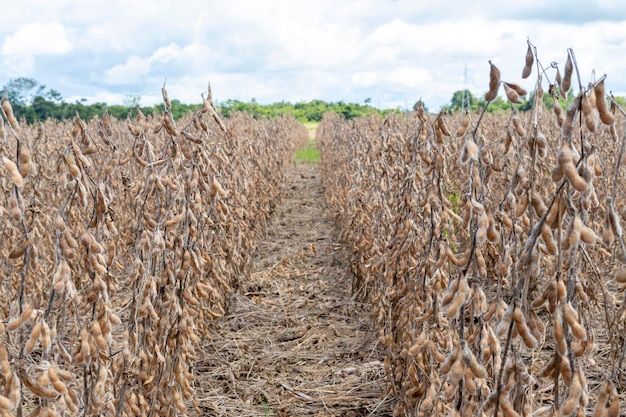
point(294, 342)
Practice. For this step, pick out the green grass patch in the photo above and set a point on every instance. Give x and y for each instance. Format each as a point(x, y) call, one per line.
point(308, 153)
point(311, 125)
point(311, 128)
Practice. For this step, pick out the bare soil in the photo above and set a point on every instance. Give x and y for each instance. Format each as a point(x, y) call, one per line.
point(295, 342)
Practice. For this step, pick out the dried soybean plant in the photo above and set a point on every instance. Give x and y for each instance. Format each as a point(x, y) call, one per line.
point(121, 242)
point(487, 254)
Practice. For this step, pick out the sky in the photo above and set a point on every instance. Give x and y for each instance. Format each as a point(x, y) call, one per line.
point(392, 52)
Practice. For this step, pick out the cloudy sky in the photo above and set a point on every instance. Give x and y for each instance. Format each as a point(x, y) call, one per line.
point(391, 51)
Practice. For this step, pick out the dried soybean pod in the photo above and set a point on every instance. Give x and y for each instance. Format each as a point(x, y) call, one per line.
point(8, 111)
point(607, 230)
point(571, 318)
point(21, 248)
point(460, 261)
point(507, 407)
point(445, 366)
point(566, 83)
point(512, 95)
point(464, 124)
point(570, 116)
point(141, 118)
point(590, 121)
point(477, 369)
point(460, 297)
point(429, 398)
point(548, 238)
point(539, 206)
point(21, 319)
point(613, 408)
point(535, 324)
point(494, 82)
point(492, 232)
point(520, 208)
point(530, 59)
point(558, 111)
point(5, 403)
point(157, 127)
point(517, 88)
point(603, 396)
point(24, 159)
point(587, 235)
point(559, 333)
point(33, 338)
point(55, 379)
point(605, 115)
point(166, 99)
point(519, 127)
point(549, 367)
point(106, 123)
point(558, 79)
point(567, 164)
point(557, 173)
point(592, 96)
point(482, 226)
point(544, 296)
point(522, 328)
point(469, 152)
point(442, 124)
point(575, 391)
point(457, 370)
point(17, 178)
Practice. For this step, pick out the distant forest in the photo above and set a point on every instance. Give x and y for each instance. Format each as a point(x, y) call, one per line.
point(33, 102)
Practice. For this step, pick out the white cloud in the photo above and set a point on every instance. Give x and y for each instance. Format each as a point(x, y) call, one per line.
point(391, 51)
point(194, 55)
point(171, 59)
point(409, 77)
point(365, 79)
point(46, 38)
point(18, 64)
point(131, 72)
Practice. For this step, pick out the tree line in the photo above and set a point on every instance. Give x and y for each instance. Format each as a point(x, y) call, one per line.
point(33, 102)
point(464, 99)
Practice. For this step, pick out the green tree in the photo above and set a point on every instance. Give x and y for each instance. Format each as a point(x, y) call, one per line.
point(21, 91)
point(463, 99)
point(132, 100)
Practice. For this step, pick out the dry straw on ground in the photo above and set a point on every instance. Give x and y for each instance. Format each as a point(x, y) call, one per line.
point(294, 342)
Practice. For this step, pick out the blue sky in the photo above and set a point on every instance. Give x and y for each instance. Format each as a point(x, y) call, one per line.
point(392, 51)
